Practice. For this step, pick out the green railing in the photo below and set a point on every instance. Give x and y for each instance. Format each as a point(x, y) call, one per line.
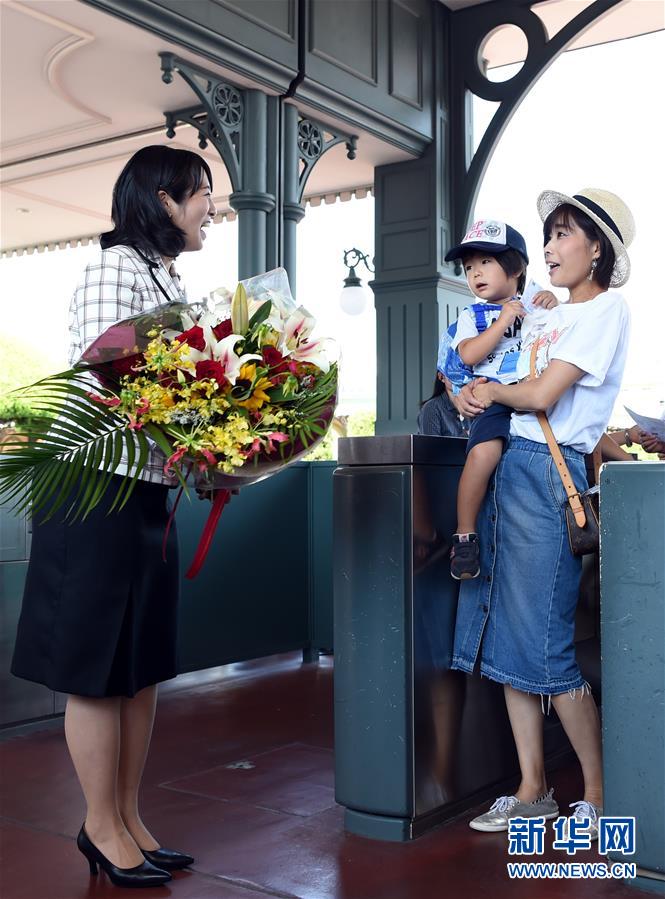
point(265, 588)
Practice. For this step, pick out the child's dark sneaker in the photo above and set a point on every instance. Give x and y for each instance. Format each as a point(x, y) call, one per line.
point(465, 556)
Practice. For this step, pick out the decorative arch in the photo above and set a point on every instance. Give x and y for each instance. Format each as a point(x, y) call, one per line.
point(468, 31)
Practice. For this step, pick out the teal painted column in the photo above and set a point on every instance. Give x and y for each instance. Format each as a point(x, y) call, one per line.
point(292, 210)
point(254, 203)
point(632, 587)
point(409, 287)
point(415, 291)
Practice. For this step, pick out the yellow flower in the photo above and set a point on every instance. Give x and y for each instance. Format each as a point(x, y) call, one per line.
point(228, 440)
point(247, 372)
point(137, 392)
point(258, 396)
point(274, 419)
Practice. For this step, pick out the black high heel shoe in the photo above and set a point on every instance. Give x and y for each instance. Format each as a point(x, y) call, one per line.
point(168, 859)
point(143, 875)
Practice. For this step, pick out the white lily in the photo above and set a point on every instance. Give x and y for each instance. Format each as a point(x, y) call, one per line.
point(299, 325)
point(239, 310)
point(224, 351)
point(274, 319)
point(190, 356)
point(208, 319)
point(187, 321)
point(297, 344)
point(313, 351)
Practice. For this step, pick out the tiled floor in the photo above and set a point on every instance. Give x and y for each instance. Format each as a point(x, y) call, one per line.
point(241, 775)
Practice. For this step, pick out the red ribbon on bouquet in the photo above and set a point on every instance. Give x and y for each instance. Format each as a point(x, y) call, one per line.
point(220, 500)
point(218, 503)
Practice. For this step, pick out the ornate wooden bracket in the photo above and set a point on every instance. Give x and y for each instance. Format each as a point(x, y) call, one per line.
point(219, 118)
point(313, 142)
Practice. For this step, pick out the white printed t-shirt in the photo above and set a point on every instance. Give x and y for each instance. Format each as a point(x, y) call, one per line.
point(594, 337)
point(500, 364)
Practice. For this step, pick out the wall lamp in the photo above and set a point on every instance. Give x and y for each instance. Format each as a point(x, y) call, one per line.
point(353, 297)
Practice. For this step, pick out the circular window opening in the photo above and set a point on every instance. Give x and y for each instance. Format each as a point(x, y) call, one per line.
point(502, 53)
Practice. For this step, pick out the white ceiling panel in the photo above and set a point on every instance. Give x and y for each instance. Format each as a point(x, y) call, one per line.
point(76, 85)
point(73, 82)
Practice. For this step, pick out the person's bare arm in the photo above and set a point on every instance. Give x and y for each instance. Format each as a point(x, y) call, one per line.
point(531, 396)
point(611, 452)
point(626, 437)
point(474, 349)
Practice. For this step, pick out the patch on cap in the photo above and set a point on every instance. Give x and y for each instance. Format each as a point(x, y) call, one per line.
point(486, 232)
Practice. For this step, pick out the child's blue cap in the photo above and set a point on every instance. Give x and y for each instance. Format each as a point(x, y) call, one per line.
point(493, 237)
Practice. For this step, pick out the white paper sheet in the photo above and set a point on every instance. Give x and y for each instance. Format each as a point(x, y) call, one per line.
point(650, 425)
point(530, 292)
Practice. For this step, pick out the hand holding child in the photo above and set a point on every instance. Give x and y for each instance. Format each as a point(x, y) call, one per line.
point(466, 403)
point(482, 392)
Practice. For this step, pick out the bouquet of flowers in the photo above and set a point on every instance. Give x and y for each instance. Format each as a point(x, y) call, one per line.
point(233, 392)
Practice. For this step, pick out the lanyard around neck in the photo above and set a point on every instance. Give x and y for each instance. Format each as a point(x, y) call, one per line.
point(152, 265)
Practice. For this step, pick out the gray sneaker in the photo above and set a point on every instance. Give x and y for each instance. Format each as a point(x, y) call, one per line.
point(507, 807)
point(584, 811)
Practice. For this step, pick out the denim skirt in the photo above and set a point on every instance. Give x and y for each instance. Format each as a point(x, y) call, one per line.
point(518, 616)
point(99, 613)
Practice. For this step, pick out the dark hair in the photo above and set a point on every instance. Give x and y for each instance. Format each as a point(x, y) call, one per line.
point(511, 261)
point(564, 214)
point(138, 214)
point(439, 388)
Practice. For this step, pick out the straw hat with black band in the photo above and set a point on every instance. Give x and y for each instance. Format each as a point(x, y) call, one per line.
point(608, 212)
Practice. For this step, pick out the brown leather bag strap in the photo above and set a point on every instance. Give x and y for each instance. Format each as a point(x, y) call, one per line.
point(569, 485)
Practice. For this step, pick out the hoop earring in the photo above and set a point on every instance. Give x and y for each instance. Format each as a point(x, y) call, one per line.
point(594, 266)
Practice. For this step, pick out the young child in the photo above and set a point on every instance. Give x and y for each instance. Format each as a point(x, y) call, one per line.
point(487, 341)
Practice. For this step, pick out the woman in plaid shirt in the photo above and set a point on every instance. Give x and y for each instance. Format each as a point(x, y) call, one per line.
point(100, 606)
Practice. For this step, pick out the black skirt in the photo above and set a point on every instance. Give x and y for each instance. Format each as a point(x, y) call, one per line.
point(99, 615)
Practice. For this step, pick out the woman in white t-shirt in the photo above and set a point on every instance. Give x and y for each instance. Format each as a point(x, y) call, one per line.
point(519, 615)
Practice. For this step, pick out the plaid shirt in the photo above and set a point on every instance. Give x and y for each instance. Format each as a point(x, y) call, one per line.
point(119, 284)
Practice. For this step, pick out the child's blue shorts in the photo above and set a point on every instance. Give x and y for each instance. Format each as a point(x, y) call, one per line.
point(492, 423)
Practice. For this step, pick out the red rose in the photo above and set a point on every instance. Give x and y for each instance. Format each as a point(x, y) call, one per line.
point(222, 330)
point(274, 359)
point(209, 369)
point(194, 338)
point(126, 365)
